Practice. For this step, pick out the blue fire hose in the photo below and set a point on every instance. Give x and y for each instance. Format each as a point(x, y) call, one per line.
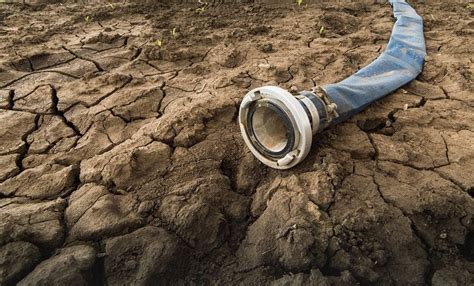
point(401, 62)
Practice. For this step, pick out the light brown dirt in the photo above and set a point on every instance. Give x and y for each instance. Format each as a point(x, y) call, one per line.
point(121, 161)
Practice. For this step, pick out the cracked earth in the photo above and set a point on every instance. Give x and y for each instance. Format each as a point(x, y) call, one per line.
point(121, 161)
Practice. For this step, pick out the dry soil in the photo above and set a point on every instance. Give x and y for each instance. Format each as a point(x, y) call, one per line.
point(121, 161)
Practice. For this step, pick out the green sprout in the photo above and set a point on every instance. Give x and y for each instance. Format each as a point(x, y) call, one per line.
point(321, 31)
point(174, 33)
point(299, 2)
point(87, 18)
point(111, 5)
point(159, 43)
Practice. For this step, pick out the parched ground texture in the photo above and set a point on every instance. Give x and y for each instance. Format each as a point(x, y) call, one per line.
point(121, 161)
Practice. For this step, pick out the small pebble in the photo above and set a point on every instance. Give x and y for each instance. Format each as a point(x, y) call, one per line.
point(130, 264)
point(145, 207)
point(266, 48)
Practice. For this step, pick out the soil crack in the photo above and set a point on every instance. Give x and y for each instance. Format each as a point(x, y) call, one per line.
point(59, 113)
point(97, 65)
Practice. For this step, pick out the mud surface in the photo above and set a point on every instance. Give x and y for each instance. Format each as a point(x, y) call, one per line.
point(121, 161)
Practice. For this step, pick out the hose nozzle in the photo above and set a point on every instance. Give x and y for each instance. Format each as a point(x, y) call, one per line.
point(278, 126)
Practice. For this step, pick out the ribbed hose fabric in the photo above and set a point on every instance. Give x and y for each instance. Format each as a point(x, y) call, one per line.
point(401, 62)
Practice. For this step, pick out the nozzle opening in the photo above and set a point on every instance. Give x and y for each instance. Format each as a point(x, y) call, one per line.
point(270, 128)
